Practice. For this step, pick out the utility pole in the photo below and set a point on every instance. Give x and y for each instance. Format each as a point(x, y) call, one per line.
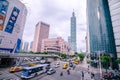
point(100, 65)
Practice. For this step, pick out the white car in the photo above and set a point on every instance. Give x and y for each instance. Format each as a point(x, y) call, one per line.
point(58, 63)
point(51, 71)
point(56, 66)
point(42, 61)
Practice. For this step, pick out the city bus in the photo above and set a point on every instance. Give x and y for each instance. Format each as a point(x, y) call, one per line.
point(29, 72)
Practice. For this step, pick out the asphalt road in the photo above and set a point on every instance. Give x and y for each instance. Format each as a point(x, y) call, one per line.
point(74, 74)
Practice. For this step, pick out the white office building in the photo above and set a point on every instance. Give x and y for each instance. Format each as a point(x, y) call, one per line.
point(12, 20)
point(114, 6)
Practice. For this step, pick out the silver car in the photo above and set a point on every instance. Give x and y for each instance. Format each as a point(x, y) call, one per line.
point(51, 71)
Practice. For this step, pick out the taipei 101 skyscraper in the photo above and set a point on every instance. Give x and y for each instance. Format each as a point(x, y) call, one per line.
point(73, 32)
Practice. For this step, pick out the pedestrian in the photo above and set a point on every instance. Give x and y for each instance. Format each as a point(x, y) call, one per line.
point(68, 71)
point(88, 67)
point(61, 74)
point(73, 67)
point(82, 75)
point(92, 75)
point(88, 72)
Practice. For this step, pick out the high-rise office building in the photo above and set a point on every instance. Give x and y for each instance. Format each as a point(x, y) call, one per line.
point(72, 37)
point(41, 32)
point(31, 45)
point(114, 6)
point(93, 26)
point(101, 36)
point(25, 46)
point(69, 40)
point(12, 20)
point(100, 31)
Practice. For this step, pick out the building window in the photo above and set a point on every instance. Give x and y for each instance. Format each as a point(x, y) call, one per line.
point(117, 45)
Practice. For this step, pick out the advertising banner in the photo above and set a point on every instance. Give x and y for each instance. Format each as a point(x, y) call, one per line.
point(2, 20)
point(3, 11)
point(12, 20)
point(18, 46)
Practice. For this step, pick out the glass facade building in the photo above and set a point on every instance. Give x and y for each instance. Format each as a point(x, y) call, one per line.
point(100, 30)
point(114, 6)
point(73, 32)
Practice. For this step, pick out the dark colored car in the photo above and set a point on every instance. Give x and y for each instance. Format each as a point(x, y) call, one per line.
point(111, 76)
point(51, 71)
point(116, 76)
point(71, 64)
point(48, 67)
point(105, 76)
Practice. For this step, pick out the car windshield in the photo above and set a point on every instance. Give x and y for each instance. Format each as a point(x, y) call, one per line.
point(50, 69)
point(25, 72)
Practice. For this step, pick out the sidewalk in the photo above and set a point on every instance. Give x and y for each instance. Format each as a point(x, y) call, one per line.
point(91, 69)
point(87, 74)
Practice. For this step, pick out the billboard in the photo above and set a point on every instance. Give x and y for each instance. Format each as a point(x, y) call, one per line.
point(3, 11)
point(17, 48)
point(12, 20)
point(2, 20)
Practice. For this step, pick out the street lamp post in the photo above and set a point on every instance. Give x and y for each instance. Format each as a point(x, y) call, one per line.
point(100, 65)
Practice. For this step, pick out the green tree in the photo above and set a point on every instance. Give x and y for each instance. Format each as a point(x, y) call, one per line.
point(37, 53)
point(76, 52)
point(64, 56)
point(88, 61)
point(44, 52)
point(118, 60)
point(81, 56)
point(105, 61)
point(31, 52)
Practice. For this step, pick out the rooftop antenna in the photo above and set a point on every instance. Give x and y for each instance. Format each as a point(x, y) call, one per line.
point(73, 13)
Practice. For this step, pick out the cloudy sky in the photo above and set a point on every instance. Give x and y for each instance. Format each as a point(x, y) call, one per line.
point(57, 13)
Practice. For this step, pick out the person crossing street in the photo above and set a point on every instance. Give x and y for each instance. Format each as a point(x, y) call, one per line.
point(82, 75)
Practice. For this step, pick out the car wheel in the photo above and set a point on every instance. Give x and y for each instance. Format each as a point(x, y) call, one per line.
point(35, 74)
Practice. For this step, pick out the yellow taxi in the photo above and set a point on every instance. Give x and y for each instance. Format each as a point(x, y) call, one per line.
point(65, 66)
point(15, 69)
point(31, 64)
point(76, 61)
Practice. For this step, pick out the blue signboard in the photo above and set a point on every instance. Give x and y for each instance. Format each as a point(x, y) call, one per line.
point(3, 7)
point(17, 49)
point(3, 11)
point(12, 20)
point(7, 49)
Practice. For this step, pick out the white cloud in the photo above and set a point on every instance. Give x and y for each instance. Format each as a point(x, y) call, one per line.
point(57, 13)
